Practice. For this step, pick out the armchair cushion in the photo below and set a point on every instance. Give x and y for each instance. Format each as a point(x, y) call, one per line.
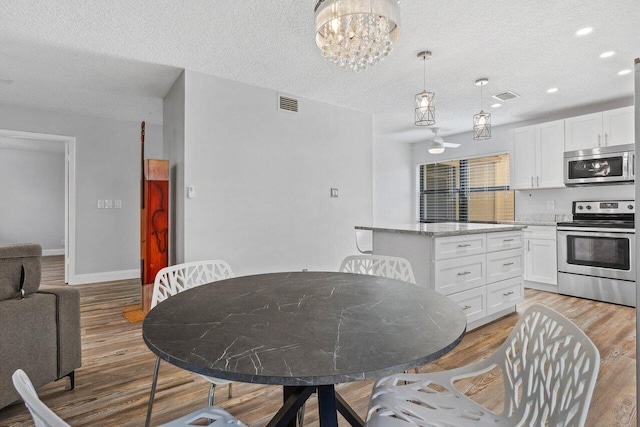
point(12, 259)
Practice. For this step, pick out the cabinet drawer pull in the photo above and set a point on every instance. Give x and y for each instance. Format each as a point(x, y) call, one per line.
point(507, 264)
point(464, 273)
point(464, 245)
point(466, 307)
point(507, 293)
point(507, 240)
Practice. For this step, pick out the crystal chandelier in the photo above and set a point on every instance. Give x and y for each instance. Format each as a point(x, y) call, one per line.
point(357, 34)
point(482, 120)
point(424, 109)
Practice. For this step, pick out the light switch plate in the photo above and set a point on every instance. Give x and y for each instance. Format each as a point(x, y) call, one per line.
point(191, 192)
point(108, 204)
point(118, 204)
point(551, 204)
point(334, 192)
point(100, 204)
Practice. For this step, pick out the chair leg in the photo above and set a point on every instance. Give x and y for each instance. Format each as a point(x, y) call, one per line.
point(212, 390)
point(301, 415)
point(230, 395)
point(153, 392)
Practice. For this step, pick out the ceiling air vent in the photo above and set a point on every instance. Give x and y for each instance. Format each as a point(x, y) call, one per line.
point(506, 96)
point(286, 103)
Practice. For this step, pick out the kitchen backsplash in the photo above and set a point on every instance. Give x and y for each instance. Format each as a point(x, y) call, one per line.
point(543, 217)
point(555, 204)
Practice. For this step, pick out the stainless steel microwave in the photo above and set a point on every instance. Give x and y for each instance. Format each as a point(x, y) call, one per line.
point(604, 165)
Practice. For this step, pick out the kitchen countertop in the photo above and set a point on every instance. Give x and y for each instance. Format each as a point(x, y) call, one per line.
point(531, 222)
point(442, 229)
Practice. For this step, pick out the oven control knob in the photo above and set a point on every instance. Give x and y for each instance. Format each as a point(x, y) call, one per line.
point(588, 207)
point(629, 206)
point(580, 207)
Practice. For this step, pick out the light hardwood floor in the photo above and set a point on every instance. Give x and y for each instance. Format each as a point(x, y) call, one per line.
point(112, 386)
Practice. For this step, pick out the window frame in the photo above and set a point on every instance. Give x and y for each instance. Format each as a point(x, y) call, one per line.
point(463, 190)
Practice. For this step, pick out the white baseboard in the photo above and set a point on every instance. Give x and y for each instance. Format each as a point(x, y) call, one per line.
point(107, 276)
point(52, 252)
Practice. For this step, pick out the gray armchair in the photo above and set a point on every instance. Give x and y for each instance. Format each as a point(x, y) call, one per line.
point(40, 325)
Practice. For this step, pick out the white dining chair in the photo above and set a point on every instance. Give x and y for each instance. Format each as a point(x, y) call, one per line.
point(171, 281)
point(549, 369)
point(364, 241)
point(379, 265)
point(43, 416)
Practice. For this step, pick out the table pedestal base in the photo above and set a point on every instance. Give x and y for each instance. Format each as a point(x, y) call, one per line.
point(329, 404)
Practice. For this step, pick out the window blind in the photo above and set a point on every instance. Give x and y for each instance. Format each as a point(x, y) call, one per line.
point(466, 190)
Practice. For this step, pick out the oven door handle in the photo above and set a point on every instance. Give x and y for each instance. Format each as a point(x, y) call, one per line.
point(593, 231)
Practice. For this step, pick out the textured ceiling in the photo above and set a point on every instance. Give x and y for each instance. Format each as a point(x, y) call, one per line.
point(118, 58)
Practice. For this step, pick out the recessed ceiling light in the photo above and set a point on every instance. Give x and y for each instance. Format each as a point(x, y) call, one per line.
point(496, 105)
point(624, 72)
point(584, 31)
point(608, 54)
point(552, 90)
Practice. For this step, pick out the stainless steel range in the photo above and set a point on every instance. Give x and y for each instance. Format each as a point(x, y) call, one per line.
point(596, 252)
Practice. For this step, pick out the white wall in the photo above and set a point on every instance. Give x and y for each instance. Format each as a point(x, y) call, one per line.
point(107, 167)
point(32, 207)
point(393, 182)
point(263, 177)
point(173, 140)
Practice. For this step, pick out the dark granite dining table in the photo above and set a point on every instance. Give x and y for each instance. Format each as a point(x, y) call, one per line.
point(306, 331)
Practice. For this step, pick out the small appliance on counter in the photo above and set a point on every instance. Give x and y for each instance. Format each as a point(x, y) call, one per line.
point(603, 165)
point(596, 252)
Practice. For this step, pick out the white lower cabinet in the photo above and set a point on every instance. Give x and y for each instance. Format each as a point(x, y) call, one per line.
point(541, 258)
point(485, 284)
point(473, 302)
point(456, 275)
point(504, 294)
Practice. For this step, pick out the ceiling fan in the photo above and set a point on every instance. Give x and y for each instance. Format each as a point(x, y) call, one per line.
point(437, 144)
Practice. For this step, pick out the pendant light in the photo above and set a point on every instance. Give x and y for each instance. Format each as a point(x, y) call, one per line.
point(482, 120)
point(425, 111)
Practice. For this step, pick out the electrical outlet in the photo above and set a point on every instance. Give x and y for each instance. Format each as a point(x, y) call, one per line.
point(100, 204)
point(551, 204)
point(108, 204)
point(118, 204)
point(334, 192)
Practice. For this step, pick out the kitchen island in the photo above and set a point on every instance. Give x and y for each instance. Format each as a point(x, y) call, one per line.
point(477, 265)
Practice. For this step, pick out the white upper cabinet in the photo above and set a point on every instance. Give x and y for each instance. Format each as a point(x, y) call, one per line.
point(550, 154)
point(538, 156)
point(607, 128)
point(524, 153)
point(618, 126)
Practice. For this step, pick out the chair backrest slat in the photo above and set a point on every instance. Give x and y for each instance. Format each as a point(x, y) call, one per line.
point(177, 278)
point(379, 265)
point(550, 369)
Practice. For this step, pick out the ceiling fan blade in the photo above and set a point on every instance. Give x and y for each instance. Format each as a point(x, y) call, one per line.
point(450, 144)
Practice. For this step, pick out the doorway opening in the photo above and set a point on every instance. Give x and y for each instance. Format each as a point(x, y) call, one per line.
point(65, 146)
